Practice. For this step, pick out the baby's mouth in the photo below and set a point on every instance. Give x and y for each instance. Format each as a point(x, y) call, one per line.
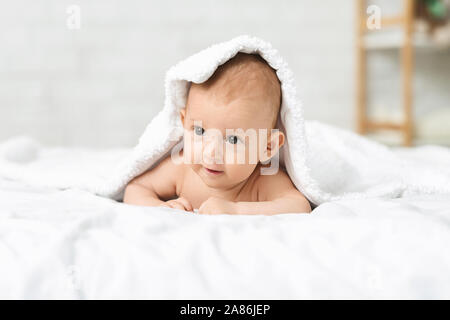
point(213, 172)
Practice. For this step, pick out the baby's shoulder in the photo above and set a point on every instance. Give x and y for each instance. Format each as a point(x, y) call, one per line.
point(275, 185)
point(170, 165)
point(165, 169)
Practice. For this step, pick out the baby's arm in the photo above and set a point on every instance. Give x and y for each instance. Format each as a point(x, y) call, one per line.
point(276, 194)
point(155, 186)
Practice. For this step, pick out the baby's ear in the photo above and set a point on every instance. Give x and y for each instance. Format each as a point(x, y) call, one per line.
point(273, 145)
point(182, 114)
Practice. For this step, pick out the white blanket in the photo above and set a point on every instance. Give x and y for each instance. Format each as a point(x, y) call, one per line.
point(72, 244)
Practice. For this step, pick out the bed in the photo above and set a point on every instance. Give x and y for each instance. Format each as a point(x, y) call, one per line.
point(66, 243)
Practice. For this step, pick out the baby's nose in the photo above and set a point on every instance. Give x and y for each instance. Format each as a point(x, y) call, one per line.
point(213, 150)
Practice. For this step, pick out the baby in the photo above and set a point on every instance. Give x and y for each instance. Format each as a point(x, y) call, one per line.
point(243, 96)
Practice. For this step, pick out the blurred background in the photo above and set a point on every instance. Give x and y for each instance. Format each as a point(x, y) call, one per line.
point(98, 80)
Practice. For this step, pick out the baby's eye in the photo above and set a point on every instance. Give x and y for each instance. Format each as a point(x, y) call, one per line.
point(199, 130)
point(233, 139)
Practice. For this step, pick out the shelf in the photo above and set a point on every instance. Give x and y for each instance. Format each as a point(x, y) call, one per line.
point(377, 125)
point(403, 33)
point(394, 39)
point(391, 138)
point(387, 38)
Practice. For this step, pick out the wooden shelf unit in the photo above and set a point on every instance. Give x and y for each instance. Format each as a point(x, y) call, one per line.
point(404, 21)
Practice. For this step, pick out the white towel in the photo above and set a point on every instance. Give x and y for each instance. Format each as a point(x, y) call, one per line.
point(324, 163)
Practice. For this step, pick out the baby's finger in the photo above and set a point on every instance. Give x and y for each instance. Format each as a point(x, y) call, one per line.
point(187, 205)
point(176, 205)
point(202, 210)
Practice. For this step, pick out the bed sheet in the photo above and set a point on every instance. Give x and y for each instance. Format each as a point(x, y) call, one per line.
point(71, 244)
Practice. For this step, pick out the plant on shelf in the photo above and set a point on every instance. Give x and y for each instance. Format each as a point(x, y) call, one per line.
point(433, 18)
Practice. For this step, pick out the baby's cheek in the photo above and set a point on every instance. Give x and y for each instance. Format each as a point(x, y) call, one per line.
point(242, 154)
point(235, 154)
point(189, 148)
point(251, 152)
point(253, 146)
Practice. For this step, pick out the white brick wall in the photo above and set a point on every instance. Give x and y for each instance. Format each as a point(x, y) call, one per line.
point(100, 85)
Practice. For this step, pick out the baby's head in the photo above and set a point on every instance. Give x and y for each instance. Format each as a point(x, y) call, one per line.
point(229, 118)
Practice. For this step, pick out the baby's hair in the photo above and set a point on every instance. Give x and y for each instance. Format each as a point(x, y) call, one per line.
point(248, 71)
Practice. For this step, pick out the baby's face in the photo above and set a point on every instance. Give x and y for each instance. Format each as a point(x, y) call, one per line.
point(222, 140)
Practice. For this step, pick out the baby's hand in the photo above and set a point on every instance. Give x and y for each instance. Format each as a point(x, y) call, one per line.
point(216, 206)
point(180, 203)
